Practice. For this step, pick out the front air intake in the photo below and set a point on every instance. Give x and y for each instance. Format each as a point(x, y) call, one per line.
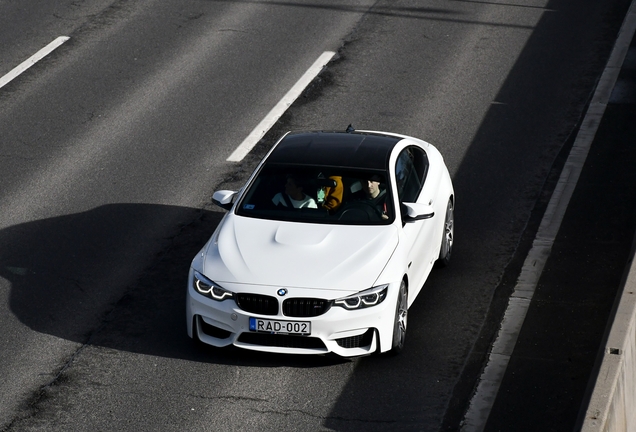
point(282, 341)
point(359, 341)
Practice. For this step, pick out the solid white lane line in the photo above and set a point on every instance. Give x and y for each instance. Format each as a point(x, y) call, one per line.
point(32, 60)
point(490, 380)
point(272, 117)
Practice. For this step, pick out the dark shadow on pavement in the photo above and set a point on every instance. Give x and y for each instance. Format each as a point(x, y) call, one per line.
point(96, 277)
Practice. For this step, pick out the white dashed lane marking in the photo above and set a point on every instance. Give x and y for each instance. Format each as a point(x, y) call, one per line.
point(32, 60)
point(272, 117)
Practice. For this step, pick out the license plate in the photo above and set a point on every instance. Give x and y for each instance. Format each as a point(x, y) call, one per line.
point(282, 327)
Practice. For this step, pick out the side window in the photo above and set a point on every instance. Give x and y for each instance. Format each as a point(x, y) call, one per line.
point(410, 173)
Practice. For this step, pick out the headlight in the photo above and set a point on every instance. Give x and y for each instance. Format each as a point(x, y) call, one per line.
point(363, 299)
point(206, 287)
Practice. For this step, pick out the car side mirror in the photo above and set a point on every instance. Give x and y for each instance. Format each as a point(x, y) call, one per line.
point(224, 199)
point(414, 211)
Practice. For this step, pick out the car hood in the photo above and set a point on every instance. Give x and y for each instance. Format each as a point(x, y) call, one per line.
point(289, 254)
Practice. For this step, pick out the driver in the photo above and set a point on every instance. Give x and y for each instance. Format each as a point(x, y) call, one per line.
point(375, 195)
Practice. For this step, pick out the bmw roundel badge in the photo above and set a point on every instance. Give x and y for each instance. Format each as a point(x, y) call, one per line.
point(281, 292)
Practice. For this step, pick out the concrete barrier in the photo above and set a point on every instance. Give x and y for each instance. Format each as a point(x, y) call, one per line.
point(612, 406)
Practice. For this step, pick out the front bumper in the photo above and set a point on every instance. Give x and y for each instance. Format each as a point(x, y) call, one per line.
point(347, 333)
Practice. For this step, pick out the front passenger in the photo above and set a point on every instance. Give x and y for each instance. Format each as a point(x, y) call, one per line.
point(294, 195)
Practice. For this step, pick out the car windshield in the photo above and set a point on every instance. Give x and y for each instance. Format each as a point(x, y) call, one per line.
point(319, 194)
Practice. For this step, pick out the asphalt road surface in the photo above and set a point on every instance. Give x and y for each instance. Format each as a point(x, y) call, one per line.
point(111, 146)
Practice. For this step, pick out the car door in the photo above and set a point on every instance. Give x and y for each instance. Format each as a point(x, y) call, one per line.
point(411, 171)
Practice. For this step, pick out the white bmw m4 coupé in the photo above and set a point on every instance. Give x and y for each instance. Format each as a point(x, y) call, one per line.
point(325, 247)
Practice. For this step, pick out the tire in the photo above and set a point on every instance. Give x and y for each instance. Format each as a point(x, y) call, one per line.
point(448, 237)
point(400, 321)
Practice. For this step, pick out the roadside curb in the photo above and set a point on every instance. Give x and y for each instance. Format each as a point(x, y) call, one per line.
point(612, 405)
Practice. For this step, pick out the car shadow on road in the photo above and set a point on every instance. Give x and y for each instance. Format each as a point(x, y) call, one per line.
point(115, 276)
